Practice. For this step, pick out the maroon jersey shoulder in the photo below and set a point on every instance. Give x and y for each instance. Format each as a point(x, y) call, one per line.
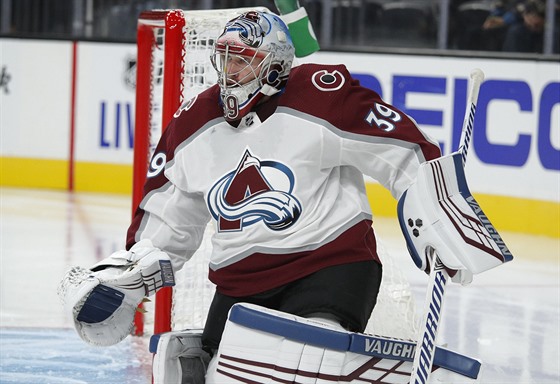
point(192, 116)
point(313, 88)
point(329, 92)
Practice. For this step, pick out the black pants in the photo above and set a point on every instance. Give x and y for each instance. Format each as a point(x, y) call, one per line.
point(346, 293)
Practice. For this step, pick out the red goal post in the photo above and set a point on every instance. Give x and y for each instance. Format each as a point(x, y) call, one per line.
point(173, 65)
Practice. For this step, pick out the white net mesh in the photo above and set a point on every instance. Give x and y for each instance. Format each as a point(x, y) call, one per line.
point(394, 315)
point(199, 74)
point(193, 294)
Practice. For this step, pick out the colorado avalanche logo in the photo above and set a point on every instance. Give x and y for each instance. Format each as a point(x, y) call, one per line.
point(251, 28)
point(257, 191)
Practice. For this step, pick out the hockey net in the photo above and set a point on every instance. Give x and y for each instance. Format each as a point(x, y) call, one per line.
point(173, 65)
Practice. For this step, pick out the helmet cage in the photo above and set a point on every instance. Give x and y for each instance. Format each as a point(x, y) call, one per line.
point(252, 63)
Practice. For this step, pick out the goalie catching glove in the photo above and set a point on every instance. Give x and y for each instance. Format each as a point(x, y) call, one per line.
point(103, 299)
point(438, 212)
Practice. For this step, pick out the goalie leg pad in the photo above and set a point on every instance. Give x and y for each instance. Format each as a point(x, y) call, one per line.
point(262, 345)
point(179, 358)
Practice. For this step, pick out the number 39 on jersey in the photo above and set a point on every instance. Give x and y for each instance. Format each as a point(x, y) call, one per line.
point(383, 117)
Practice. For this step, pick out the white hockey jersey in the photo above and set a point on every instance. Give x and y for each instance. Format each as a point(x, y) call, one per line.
point(284, 189)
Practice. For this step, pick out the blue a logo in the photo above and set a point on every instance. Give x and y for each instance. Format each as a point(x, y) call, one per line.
point(257, 191)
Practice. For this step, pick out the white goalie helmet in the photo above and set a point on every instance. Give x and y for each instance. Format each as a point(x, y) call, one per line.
point(253, 57)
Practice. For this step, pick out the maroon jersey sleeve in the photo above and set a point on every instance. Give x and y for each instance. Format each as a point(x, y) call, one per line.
point(330, 93)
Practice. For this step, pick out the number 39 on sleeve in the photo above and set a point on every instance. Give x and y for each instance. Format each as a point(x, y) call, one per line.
point(383, 117)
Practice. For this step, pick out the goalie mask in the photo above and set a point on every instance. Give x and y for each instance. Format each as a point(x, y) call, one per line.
point(253, 57)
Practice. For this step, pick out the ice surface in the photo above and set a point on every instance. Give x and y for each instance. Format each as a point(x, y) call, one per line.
point(59, 356)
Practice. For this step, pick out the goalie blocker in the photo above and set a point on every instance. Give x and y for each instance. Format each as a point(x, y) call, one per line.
point(439, 212)
point(262, 345)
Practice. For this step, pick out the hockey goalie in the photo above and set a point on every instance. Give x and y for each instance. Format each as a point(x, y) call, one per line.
point(275, 156)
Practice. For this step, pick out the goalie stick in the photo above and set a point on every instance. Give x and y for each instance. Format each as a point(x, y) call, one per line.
point(426, 344)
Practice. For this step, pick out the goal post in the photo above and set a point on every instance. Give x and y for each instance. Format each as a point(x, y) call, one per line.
point(173, 65)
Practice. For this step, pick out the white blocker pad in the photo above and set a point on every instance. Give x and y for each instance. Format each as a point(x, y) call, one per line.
point(438, 211)
point(178, 358)
point(261, 345)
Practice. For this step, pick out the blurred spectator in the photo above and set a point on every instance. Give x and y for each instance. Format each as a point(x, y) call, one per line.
point(512, 26)
point(504, 14)
point(482, 25)
point(495, 28)
point(527, 32)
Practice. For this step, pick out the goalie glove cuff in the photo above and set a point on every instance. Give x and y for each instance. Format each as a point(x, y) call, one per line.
point(459, 276)
point(143, 265)
point(462, 276)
